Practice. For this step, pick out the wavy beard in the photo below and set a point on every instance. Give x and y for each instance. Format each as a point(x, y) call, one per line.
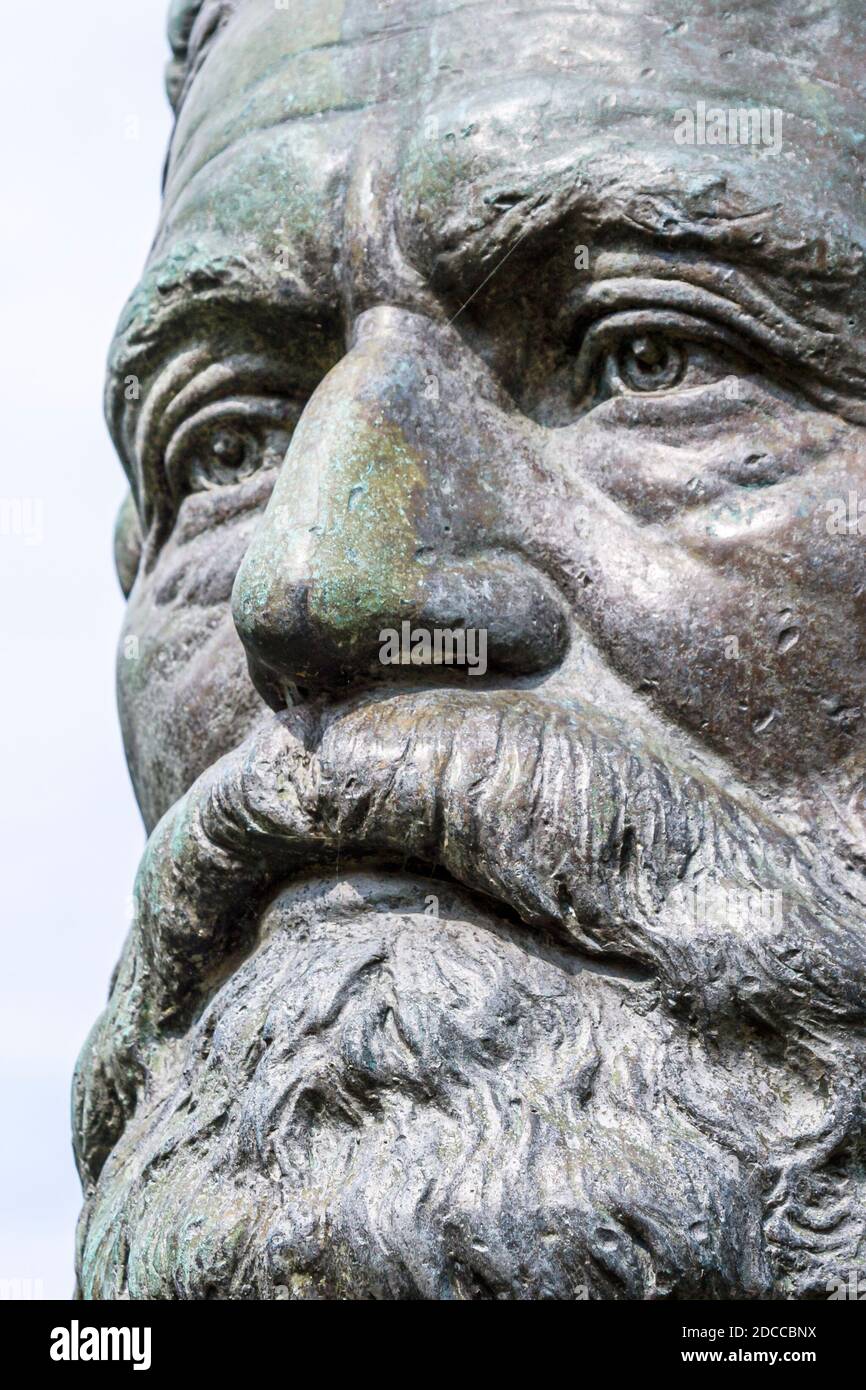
point(588, 1092)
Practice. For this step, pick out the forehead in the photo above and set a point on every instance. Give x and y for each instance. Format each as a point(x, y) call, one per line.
point(301, 124)
point(269, 66)
point(281, 96)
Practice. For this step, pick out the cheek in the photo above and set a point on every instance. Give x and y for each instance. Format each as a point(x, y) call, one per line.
point(184, 693)
point(660, 458)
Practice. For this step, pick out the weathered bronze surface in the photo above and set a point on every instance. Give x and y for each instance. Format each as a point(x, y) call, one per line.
point(547, 979)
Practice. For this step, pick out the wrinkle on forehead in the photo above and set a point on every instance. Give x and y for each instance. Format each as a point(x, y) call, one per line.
point(520, 100)
point(499, 117)
point(267, 65)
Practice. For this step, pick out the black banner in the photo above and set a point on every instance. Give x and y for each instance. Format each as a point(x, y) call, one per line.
point(628, 1338)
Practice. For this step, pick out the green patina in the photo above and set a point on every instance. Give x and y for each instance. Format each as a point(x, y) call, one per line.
point(376, 482)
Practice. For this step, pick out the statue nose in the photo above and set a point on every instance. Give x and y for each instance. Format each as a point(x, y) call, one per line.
point(382, 529)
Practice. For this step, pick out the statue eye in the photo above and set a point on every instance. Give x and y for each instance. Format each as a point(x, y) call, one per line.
point(227, 442)
point(649, 352)
point(225, 456)
point(649, 362)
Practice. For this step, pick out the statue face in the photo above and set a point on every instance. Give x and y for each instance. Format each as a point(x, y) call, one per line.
point(465, 319)
point(508, 353)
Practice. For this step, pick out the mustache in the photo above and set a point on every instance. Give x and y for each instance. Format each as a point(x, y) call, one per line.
point(569, 820)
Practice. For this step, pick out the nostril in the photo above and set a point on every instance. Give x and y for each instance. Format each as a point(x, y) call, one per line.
point(518, 609)
point(300, 642)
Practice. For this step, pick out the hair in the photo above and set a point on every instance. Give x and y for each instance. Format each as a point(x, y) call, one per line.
point(192, 27)
point(392, 1105)
point(361, 1100)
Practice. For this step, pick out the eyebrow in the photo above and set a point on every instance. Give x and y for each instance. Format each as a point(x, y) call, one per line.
point(466, 259)
point(154, 322)
point(660, 219)
point(762, 283)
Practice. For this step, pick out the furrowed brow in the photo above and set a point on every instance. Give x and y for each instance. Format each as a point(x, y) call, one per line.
point(162, 315)
point(470, 243)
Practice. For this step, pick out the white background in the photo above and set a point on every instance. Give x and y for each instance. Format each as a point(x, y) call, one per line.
point(85, 125)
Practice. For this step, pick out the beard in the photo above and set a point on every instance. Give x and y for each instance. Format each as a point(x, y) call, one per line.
point(539, 1073)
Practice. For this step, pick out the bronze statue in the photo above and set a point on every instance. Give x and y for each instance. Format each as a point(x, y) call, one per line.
point(537, 329)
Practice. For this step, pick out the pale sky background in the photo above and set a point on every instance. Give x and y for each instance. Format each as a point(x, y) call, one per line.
point(86, 125)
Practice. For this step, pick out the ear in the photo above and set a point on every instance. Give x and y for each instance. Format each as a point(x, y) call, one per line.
point(127, 544)
point(181, 17)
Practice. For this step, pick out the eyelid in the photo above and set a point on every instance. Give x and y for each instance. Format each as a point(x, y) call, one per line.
point(811, 359)
point(753, 315)
point(613, 327)
point(185, 387)
point(235, 410)
point(770, 331)
point(192, 381)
